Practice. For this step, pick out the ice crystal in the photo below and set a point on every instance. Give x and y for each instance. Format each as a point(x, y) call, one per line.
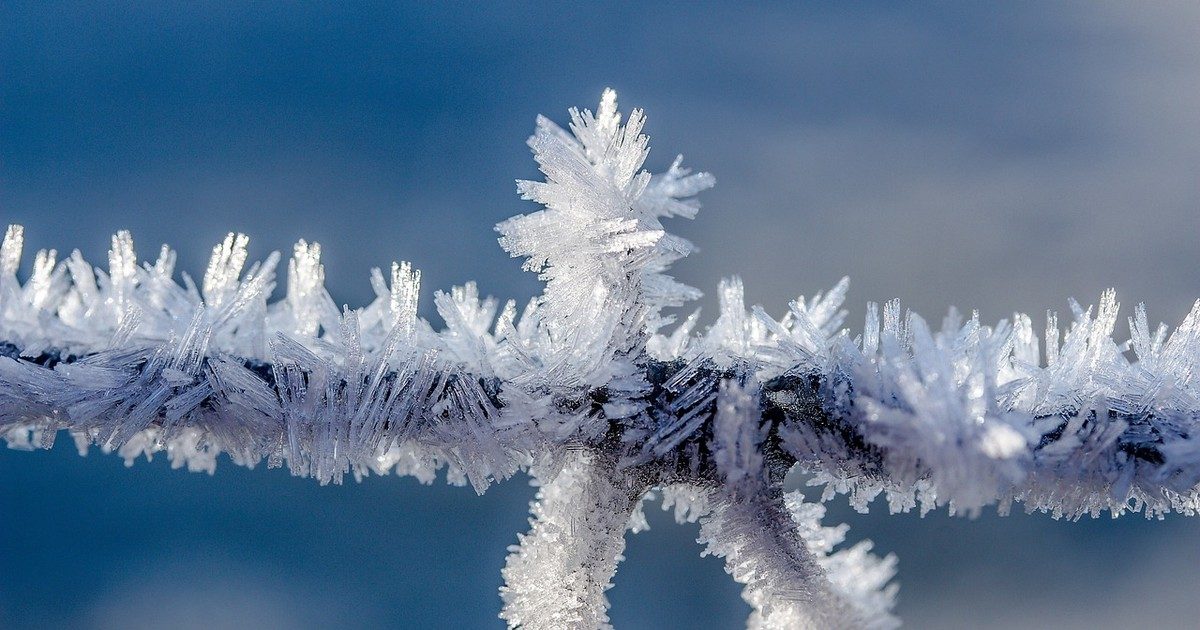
point(586, 391)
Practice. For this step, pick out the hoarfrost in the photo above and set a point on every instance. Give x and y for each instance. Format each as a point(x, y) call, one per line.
point(588, 389)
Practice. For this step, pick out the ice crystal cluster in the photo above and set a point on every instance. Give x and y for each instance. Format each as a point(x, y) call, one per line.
point(602, 398)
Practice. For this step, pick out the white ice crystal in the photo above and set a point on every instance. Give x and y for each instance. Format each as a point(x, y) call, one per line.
point(585, 390)
point(599, 244)
point(557, 575)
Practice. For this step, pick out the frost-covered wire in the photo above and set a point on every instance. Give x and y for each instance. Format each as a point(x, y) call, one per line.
point(602, 398)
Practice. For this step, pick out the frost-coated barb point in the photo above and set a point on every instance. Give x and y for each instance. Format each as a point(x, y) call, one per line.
point(585, 392)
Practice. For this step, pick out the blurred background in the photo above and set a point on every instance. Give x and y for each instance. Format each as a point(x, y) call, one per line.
point(1001, 158)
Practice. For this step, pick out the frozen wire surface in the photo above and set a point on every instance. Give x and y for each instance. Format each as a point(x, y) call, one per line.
point(592, 390)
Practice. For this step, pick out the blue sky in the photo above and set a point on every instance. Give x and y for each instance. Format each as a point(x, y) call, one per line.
point(993, 157)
